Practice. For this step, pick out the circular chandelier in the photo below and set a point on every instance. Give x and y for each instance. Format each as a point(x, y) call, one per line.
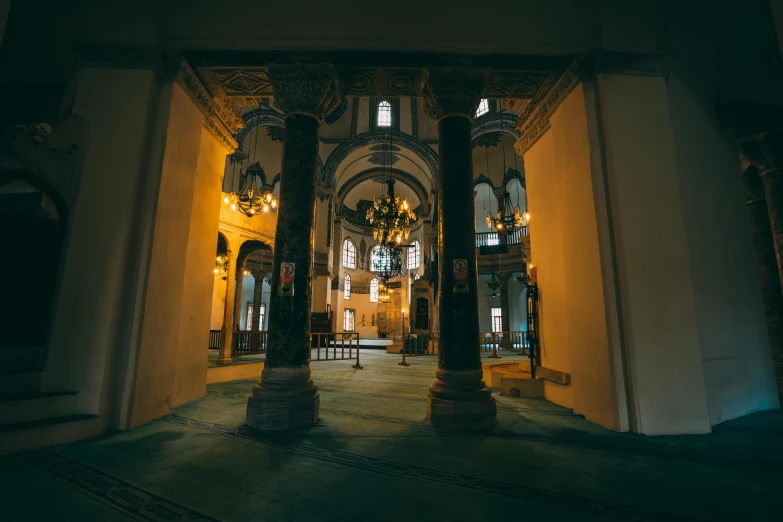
point(509, 219)
point(250, 200)
point(388, 263)
point(391, 217)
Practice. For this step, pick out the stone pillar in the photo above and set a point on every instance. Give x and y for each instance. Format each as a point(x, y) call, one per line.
point(257, 290)
point(768, 266)
point(238, 299)
point(505, 311)
point(459, 398)
point(227, 331)
point(286, 396)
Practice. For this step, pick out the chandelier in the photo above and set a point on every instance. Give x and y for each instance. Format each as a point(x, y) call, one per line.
point(250, 200)
point(388, 263)
point(391, 217)
point(509, 218)
point(384, 293)
point(221, 266)
point(494, 284)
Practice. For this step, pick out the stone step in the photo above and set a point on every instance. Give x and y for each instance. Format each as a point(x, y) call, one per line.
point(47, 432)
point(494, 370)
point(20, 408)
point(520, 384)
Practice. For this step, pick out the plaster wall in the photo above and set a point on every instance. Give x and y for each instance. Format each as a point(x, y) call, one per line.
point(155, 393)
point(191, 365)
point(218, 303)
point(655, 277)
point(735, 351)
point(579, 300)
point(248, 287)
point(89, 308)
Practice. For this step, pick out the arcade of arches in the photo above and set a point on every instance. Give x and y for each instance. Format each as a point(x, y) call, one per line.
point(633, 297)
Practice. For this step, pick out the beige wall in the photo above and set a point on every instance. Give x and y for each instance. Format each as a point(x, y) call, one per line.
point(191, 367)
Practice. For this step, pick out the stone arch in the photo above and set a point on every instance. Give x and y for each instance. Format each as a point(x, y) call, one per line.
point(429, 156)
point(399, 175)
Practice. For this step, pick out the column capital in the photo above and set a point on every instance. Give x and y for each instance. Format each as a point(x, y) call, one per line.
point(312, 90)
point(764, 151)
point(452, 91)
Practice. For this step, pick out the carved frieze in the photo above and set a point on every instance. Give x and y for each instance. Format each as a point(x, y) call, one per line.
point(305, 89)
point(452, 91)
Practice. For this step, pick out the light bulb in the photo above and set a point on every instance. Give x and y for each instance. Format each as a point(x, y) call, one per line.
point(268, 197)
point(218, 259)
point(530, 266)
point(216, 270)
point(274, 203)
point(266, 208)
point(499, 226)
point(225, 200)
point(252, 211)
point(233, 207)
point(527, 216)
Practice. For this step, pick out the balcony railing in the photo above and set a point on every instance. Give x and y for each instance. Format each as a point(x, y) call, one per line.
point(493, 238)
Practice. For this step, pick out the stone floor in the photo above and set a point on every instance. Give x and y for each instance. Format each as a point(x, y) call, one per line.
point(372, 457)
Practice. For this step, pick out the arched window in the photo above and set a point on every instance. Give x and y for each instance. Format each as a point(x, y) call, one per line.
point(349, 254)
point(384, 114)
point(413, 256)
point(347, 290)
point(374, 290)
point(483, 108)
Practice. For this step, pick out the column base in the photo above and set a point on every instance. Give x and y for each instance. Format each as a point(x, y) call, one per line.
point(460, 400)
point(286, 398)
point(224, 361)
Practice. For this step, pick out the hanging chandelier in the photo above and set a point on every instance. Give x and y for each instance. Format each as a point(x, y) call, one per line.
point(384, 293)
point(390, 214)
point(508, 218)
point(388, 263)
point(250, 199)
point(221, 266)
point(391, 217)
point(494, 284)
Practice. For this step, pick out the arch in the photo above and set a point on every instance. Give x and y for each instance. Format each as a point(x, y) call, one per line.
point(397, 174)
point(483, 179)
point(223, 245)
point(497, 122)
point(349, 254)
point(347, 287)
point(339, 154)
point(248, 247)
point(512, 173)
point(374, 290)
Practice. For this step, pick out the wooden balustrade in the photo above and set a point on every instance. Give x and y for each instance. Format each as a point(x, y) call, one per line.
point(417, 345)
point(215, 338)
point(495, 342)
point(248, 342)
point(335, 346)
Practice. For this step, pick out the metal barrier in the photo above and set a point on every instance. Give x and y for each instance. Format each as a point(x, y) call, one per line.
point(417, 345)
point(504, 342)
point(248, 342)
point(214, 339)
point(332, 346)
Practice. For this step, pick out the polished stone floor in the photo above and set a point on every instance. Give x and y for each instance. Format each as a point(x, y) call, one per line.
point(372, 457)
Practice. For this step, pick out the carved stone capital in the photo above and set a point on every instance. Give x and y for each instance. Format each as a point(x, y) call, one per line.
point(754, 187)
point(764, 152)
point(312, 90)
point(452, 91)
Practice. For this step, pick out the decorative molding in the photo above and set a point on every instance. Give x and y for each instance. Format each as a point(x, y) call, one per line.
point(380, 82)
point(605, 62)
point(320, 264)
point(337, 113)
point(383, 158)
point(354, 116)
point(403, 140)
point(483, 179)
point(497, 122)
point(211, 112)
point(512, 173)
point(487, 139)
point(415, 118)
point(312, 90)
point(452, 91)
point(513, 84)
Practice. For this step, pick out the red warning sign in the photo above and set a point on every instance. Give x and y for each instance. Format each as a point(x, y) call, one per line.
point(287, 272)
point(460, 269)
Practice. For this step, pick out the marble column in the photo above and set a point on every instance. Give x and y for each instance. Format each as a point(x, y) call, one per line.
point(768, 268)
point(238, 299)
point(257, 291)
point(459, 398)
point(227, 332)
point(286, 396)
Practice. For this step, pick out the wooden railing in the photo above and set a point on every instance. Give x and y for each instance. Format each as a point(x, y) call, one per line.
point(418, 344)
point(215, 338)
point(487, 239)
point(495, 342)
point(335, 346)
point(248, 342)
point(516, 236)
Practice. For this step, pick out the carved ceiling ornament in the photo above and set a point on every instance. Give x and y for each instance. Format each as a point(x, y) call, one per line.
point(452, 92)
point(764, 152)
point(312, 90)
